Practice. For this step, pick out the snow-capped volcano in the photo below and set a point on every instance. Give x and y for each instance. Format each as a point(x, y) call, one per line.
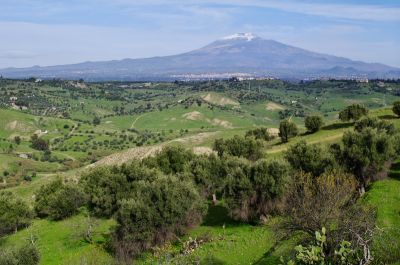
point(243, 53)
point(241, 36)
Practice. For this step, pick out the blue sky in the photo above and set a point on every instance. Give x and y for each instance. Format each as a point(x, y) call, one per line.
point(51, 32)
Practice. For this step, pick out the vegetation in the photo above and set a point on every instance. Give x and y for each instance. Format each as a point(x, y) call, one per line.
point(191, 172)
point(287, 130)
point(313, 123)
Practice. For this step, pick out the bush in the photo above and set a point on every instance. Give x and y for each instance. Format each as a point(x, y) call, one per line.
point(171, 160)
point(310, 158)
point(260, 134)
point(155, 212)
point(14, 213)
point(252, 191)
point(106, 186)
point(58, 200)
point(376, 123)
point(25, 255)
point(239, 146)
point(313, 123)
point(396, 108)
point(353, 112)
point(39, 144)
point(287, 130)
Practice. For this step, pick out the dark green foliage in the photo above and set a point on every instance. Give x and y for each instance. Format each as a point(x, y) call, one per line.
point(155, 212)
point(96, 121)
point(251, 191)
point(17, 140)
point(58, 200)
point(25, 255)
point(106, 186)
point(39, 143)
point(14, 213)
point(260, 134)
point(373, 122)
point(365, 153)
point(287, 130)
point(310, 158)
point(353, 112)
point(171, 160)
point(313, 123)
point(239, 146)
point(396, 108)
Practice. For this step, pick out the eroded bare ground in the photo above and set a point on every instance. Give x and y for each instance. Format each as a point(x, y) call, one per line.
point(146, 151)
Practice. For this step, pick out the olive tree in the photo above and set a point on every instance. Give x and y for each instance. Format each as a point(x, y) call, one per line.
point(353, 112)
point(396, 108)
point(313, 123)
point(287, 130)
point(14, 213)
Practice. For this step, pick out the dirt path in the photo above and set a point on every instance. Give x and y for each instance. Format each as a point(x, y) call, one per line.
point(134, 122)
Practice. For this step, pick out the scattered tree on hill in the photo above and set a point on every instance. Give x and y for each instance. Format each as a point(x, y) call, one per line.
point(39, 143)
point(58, 200)
point(17, 140)
point(287, 130)
point(171, 159)
point(155, 212)
point(14, 213)
point(353, 112)
point(374, 122)
point(313, 123)
point(260, 134)
point(239, 146)
point(96, 121)
point(396, 108)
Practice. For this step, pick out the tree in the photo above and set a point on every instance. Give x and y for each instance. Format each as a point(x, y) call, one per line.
point(58, 200)
point(155, 212)
point(239, 146)
point(313, 123)
point(106, 186)
point(396, 108)
point(365, 153)
point(96, 121)
point(353, 112)
point(260, 134)
point(376, 123)
point(17, 140)
point(310, 158)
point(39, 143)
point(14, 213)
point(287, 130)
point(252, 191)
point(25, 255)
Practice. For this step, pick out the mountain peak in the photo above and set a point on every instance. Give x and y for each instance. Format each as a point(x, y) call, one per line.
point(241, 36)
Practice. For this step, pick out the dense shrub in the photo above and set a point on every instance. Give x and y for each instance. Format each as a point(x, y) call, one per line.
point(25, 255)
point(373, 122)
point(156, 211)
point(287, 130)
point(260, 134)
point(396, 108)
point(252, 191)
point(366, 153)
point(39, 143)
point(106, 186)
point(239, 146)
point(353, 112)
point(58, 200)
point(14, 213)
point(171, 160)
point(313, 123)
point(310, 158)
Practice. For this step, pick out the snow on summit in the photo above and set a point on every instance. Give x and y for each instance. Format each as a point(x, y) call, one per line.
point(241, 36)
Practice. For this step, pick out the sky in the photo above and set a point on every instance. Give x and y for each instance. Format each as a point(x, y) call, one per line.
point(54, 32)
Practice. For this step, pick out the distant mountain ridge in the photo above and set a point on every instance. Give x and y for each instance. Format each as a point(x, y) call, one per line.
point(241, 53)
